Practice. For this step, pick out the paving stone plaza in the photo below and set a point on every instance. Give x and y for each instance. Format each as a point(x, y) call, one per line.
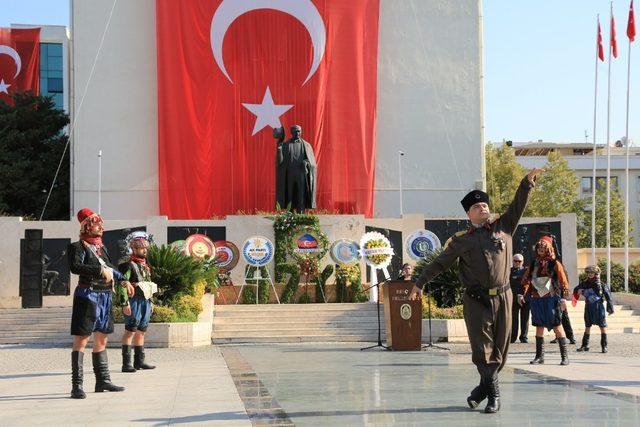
point(323, 384)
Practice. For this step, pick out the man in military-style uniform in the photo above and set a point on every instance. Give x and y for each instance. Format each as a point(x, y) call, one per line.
point(484, 252)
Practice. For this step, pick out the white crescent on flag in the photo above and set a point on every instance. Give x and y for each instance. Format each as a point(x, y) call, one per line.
point(303, 10)
point(8, 50)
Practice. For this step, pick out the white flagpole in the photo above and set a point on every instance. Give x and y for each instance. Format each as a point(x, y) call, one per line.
point(609, 152)
point(595, 149)
point(100, 182)
point(627, 183)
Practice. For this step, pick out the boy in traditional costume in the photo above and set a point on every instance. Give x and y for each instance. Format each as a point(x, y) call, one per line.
point(92, 302)
point(545, 285)
point(138, 272)
point(595, 293)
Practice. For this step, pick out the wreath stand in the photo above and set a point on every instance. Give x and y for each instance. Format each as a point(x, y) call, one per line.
point(257, 277)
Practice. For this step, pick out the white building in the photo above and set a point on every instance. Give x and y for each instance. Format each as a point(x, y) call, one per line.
point(429, 106)
point(580, 159)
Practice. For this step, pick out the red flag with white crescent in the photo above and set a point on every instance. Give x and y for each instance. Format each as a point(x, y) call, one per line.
point(600, 47)
point(631, 23)
point(19, 61)
point(230, 71)
point(613, 39)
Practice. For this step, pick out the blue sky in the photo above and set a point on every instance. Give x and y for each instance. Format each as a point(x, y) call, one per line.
point(538, 66)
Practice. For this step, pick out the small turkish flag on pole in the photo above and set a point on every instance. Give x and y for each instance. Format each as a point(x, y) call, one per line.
point(613, 41)
point(631, 24)
point(600, 46)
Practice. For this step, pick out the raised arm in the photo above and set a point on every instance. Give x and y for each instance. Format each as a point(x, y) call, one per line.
point(509, 220)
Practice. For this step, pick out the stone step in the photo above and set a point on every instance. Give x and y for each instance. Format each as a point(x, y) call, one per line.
point(295, 332)
point(300, 339)
point(306, 307)
point(44, 333)
point(43, 327)
point(36, 339)
point(300, 328)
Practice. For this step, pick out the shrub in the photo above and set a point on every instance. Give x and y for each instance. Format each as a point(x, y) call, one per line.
point(162, 314)
point(293, 271)
point(187, 308)
point(174, 272)
point(349, 283)
point(304, 299)
point(321, 280)
point(444, 313)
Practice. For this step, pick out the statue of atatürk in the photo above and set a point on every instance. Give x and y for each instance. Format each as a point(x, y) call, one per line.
point(295, 171)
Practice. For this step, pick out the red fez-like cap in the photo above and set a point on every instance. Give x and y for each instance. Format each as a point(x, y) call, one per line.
point(84, 213)
point(547, 239)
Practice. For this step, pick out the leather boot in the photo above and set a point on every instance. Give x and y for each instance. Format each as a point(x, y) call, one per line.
point(477, 395)
point(585, 343)
point(126, 359)
point(101, 369)
point(539, 360)
point(603, 343)
point(493, 394)
point(77, 358)
point(563, 351)
point(138, 358)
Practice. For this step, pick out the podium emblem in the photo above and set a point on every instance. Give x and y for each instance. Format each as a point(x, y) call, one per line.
point(405, 311)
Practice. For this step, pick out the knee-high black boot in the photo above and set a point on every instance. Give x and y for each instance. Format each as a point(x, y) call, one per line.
point(563, 351)
point(138, 358)
point(493, 395)
point(126, 359)
point(585, 342)
point(77, 358)
point(603, 342)
point(477, 395)
point(101, 369)
point(539, 359)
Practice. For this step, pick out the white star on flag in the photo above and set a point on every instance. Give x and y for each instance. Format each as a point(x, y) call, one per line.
point(4, 87)
point(267, 113)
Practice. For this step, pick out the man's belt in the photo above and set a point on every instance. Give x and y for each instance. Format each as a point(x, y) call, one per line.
point(95, 286)
point(489, 291)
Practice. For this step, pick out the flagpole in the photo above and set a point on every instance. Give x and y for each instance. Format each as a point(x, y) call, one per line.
point(595, 148)
point(626, 174)
point(626, 168)
point(611, 30)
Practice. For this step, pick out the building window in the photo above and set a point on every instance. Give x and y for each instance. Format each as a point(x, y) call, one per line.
point(51, 72)
point(586, 185)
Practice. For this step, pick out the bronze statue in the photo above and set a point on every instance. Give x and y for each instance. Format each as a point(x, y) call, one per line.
point(295, 171)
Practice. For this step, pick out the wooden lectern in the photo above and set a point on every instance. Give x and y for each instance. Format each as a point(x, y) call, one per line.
point(402, 317)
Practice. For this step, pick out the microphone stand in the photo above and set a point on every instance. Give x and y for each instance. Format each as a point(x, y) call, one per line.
point(430, 344)
point(379, 345)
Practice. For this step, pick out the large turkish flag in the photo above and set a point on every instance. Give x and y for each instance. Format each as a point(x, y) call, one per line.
point(231, 70)
point(19, 61)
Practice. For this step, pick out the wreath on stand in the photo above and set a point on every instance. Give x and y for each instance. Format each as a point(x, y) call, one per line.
point(288, 228)
point(377, 253)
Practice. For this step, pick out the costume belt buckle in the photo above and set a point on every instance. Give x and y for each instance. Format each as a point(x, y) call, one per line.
point(493, 292)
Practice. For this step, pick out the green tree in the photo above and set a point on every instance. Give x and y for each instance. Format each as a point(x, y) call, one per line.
point(617, 220)
point(503, 173)
point(32, 141)
point(556, 190)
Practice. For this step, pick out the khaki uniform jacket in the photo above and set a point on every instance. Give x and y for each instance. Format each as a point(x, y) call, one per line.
point(485, 253)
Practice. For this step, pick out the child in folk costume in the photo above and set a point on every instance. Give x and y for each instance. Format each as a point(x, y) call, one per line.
point(545, 285)
point(138, 272)
point(595, 293)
